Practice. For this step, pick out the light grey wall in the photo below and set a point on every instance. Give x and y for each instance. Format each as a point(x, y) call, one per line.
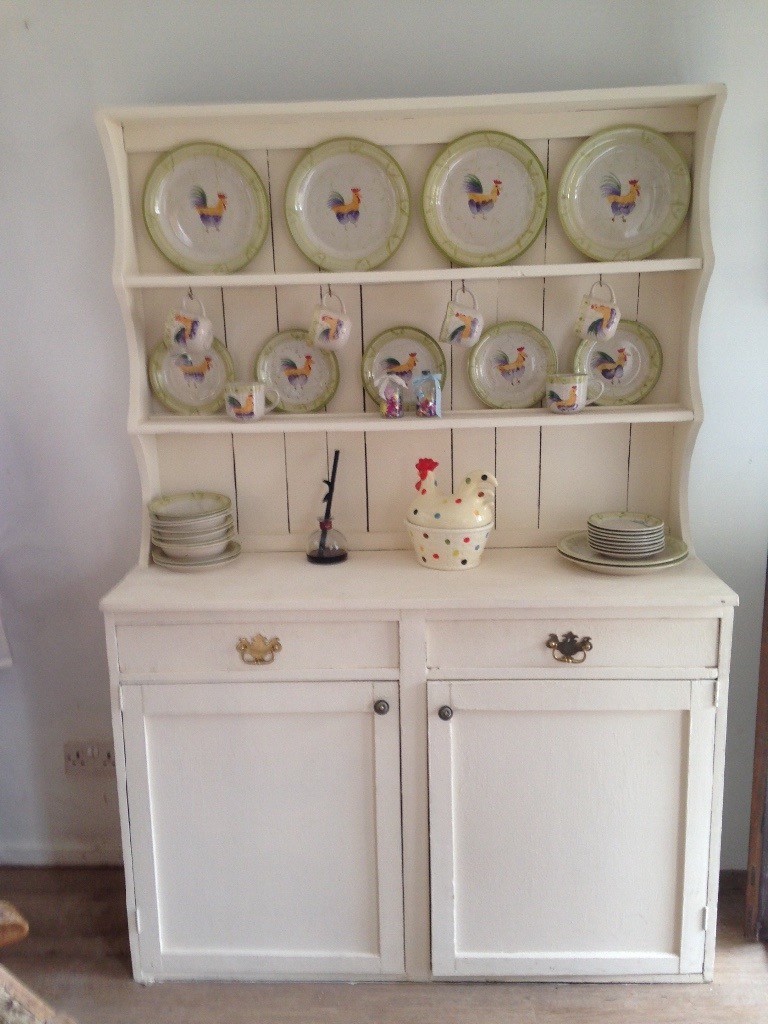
point(69, 495)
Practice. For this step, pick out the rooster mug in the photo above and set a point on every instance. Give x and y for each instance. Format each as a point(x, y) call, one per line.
point(598, 318)
point(330, 329)
point(571, 392)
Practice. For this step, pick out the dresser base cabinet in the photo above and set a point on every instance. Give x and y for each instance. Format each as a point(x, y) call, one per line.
point(265, 829)
point(472, 807)
point(569, 827)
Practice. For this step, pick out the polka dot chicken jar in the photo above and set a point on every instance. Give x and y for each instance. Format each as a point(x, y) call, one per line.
point(449, 531)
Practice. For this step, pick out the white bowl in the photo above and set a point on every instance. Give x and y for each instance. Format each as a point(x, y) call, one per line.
point(193, 536)
point(189, 505)
point(448, 549)
point(187, 550)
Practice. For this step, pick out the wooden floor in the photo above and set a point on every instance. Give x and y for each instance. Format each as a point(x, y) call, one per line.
point(76, 958)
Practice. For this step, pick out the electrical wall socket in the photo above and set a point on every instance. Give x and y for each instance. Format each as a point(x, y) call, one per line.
point(89, 757)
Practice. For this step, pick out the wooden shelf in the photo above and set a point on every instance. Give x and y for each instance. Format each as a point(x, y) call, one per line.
point(515, 272)
point(465, 420)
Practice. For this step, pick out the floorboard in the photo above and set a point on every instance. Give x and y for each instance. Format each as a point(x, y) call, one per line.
point(76, 958)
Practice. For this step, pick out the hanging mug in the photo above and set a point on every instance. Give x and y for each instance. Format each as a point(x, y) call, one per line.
point(188, 327)
point(330, 328)
point(463, 324)
point(598, 318)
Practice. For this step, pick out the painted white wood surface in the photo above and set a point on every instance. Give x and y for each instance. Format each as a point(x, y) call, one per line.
point(654, 634)
point(278, 478)
point(265, 829)
point(558, 827)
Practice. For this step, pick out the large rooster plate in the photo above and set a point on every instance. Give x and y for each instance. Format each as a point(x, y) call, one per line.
point(190, 384)
point(206, 208)
point(508, 367)
point(406, 353)
point(485, 199)
point(305, 376)
point(624, 194)
point(347, 205)
point(627, 366)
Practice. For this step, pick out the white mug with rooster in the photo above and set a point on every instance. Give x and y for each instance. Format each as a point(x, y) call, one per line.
point(598, 318)
point(462, 324)
point(571, 392)
point(330, 329)
point(189, 328)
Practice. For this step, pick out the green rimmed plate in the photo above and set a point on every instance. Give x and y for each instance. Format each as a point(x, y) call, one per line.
point(485, 199)
point(206, 208)
point(305, 376)
point(405, 352)
point(624, 194)
point(347, 205)
point(508, 367)
point(190, 384)
point(576, 548)
point(628, 366)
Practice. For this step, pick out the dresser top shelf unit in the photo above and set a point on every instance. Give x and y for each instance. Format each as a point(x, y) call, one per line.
point(290, 423)
point(509, 272)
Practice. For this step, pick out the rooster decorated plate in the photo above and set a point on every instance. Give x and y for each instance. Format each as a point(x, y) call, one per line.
point(628, 366)
point(485, 199)
point(304, 376)
point(406, 353)
point(190, 384)
point(508, 367)
point(206, 209)
point(624, 194)
point(347, 205)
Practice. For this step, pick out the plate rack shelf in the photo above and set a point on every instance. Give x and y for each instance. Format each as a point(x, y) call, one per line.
point(554, 470)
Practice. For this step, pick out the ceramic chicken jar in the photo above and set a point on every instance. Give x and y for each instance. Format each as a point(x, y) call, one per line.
point(449, 531)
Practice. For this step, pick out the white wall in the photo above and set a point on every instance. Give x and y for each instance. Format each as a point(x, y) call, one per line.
point(69, 495)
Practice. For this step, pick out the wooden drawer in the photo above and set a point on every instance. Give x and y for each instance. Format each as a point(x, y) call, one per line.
point(496, 645)
point(204, 648)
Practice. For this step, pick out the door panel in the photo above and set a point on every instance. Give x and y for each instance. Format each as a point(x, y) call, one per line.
point(558, 827)
point(269, 818)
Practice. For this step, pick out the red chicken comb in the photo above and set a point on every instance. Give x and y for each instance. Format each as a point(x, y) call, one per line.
point(424, 466)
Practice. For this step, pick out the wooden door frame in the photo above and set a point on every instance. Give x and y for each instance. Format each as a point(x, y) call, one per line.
point(756, 909)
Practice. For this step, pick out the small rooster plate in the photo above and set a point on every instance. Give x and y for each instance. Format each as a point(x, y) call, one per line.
point(628, 366)
point(485, 199)
point(508, 367)
point(190, 384)
point(347, 205)
point(404, 352)
point(624, 194)
point(304, 376)
point(206, 208)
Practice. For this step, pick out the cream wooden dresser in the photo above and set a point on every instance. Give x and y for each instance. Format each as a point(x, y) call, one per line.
point(415, 787)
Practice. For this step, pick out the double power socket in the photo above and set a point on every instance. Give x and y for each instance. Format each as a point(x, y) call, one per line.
point(89, 757)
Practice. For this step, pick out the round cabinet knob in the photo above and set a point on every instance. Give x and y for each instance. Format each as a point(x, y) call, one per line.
point(381, 707)
point(445, 713)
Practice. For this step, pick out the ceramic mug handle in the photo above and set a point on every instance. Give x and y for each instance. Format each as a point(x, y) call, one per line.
point(595, 389)
point(602, 284)
point(269, 404)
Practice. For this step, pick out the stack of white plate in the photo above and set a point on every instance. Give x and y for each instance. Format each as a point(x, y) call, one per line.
point(625, 535)
point(192, 530)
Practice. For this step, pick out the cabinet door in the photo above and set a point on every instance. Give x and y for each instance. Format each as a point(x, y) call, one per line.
point(265, 829)
point(569, 827)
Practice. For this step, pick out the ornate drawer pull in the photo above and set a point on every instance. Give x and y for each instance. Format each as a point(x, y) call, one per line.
point(569, 647)
point(258, 650)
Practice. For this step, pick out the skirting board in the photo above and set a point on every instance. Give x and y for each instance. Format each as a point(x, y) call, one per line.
point(61, 855)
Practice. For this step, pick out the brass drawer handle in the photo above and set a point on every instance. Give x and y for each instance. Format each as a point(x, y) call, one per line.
point(568, 648)
point(258, 650)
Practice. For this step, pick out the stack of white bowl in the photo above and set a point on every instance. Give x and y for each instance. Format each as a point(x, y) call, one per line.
point(192, 529)
point(625, 534)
